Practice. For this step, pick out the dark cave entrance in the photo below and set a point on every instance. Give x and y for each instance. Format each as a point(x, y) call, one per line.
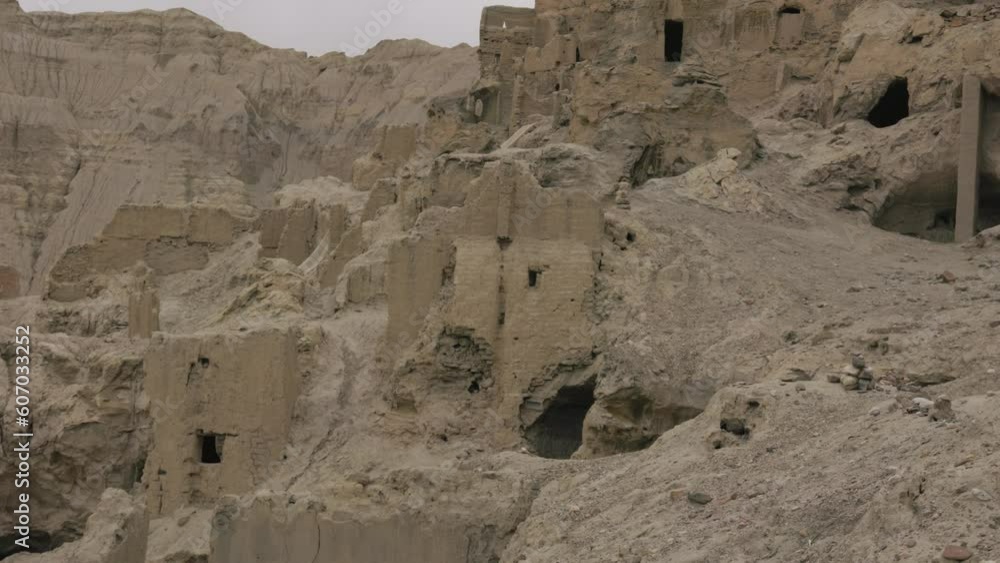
point(38, 542)
point(673, 41)
point(648, 165)
point(791, 22)
point(989, 203)
point(893, 106)
point(926, 210)
point(558, 432)
point(210, 448)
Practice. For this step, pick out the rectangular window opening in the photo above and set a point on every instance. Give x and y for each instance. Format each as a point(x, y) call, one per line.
point(673, 41)
point(534, 278)
point(210, 446)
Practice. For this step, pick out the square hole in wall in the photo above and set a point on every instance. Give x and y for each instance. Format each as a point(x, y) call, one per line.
point(210, 448)
point(534, 277)
point(673, 41)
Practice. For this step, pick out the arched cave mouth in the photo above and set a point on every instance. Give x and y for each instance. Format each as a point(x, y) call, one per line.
point(558, 432)
point(989, 203)
point(927, 209)
point(893, 106)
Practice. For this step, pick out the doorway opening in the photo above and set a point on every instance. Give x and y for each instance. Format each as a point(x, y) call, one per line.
point(893, 107)
point(558, 432)
point(673, 41)
point(210, 448)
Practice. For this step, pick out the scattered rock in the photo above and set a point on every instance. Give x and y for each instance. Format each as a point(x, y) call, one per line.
point(941, 410)
point(928, 379)
point(981, 495)
point(947, 277)
point(797, 374)
point(956, 553)
point(699, 498)
point(885, 407)
point(921, 405)
point(849, 382)
point(865, 380)
point(965, 460)
point(858, 361)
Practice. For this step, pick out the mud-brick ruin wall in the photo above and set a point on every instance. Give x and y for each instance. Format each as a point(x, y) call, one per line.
point(504, 35)
point(238, 389)
point(754, 42)
point(520, 262)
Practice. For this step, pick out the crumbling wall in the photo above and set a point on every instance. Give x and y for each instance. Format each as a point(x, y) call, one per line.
point(396, 145)
point(288, 233)
point(518, 262)
point(234, 390)
point(416, 272)
point(504, 34)
point(293, 534)
point(169, 239)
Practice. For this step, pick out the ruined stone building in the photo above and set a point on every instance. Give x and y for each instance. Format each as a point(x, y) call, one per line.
point(631, 281)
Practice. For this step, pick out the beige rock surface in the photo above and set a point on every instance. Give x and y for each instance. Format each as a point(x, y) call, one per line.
point(582, 301)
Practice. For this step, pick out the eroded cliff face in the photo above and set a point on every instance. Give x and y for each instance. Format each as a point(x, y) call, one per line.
point(100, 110)
point(587, 298)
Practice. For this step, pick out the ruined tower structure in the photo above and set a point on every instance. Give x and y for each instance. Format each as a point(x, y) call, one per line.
point(529, 57)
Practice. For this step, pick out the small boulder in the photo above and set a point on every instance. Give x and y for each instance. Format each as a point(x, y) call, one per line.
point(981, 495)
point(921, 405)
point(699, 498)
point(941, 410)
point(796, 374)
point(858, 361)
point(956, 553)
point(849, 382)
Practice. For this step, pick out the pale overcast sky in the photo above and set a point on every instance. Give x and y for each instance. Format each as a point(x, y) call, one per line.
point(318, 26)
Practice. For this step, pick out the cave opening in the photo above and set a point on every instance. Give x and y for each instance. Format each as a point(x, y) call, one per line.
point(673, 42)
point(648, 165)
point(38, 542)
point(989, 203)
point(893, 106)
point(926, 208)
point(558, 432)
point(210, 446)
point(928, 220)
point(791, 24)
